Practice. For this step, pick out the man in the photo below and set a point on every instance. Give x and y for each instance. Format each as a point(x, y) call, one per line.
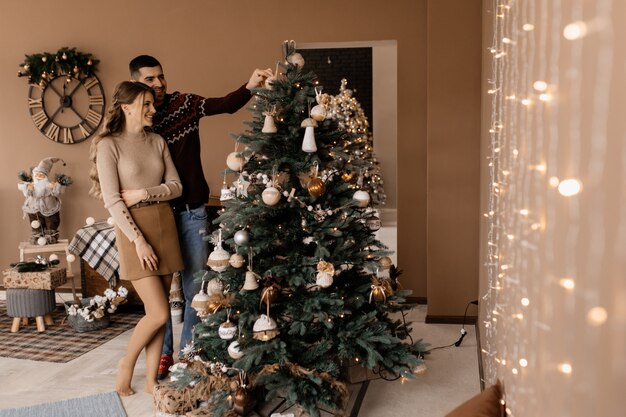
point(177, 120)
point(42, 203)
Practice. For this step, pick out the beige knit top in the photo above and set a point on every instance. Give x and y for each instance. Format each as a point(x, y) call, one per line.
point(135, 161)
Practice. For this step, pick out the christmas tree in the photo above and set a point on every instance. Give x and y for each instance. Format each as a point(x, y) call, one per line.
point(316, 293)
point(347, 110)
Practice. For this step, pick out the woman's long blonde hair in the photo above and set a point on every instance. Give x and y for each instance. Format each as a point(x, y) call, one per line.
point(125, 93)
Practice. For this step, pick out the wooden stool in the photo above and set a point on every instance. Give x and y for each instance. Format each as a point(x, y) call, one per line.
point(23, 303)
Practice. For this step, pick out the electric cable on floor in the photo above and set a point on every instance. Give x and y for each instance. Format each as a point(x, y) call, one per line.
point(463, 331)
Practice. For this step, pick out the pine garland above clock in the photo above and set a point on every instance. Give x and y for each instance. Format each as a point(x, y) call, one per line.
point(65, 98)
point(41, 68)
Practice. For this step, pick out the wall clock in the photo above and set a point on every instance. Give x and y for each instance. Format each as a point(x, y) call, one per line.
point(67, 109)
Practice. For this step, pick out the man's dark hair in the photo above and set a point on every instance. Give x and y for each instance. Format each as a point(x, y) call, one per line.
point(140, 62)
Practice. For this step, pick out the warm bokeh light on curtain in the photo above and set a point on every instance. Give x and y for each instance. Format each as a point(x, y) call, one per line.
point(553, 306)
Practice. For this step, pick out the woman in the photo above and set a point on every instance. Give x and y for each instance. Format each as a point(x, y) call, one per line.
point(133, 172)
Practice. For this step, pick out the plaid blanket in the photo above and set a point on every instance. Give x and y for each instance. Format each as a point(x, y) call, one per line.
point(95, 244)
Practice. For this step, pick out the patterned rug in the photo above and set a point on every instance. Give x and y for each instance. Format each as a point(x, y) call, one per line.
point(59, 342)
point(99, 405)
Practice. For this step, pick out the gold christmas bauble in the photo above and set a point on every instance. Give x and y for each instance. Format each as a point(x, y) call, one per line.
point(316, 187)
point(378, 293)
point(347, 176)
point(241, 397)
point(269, 294)
point(236, 260)
point(385, 262)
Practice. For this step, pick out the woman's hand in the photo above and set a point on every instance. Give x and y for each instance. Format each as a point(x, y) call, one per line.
point(132, 197)
point(147, 257)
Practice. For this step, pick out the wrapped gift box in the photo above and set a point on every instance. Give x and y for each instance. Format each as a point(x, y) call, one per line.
point(40, 280)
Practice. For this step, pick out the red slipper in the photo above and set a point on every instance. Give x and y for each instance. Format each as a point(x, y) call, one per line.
point(164, 366)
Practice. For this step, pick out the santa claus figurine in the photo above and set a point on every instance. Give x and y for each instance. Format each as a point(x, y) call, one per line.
point(42, 204)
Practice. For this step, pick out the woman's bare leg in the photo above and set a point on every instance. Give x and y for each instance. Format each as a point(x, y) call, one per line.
point(154, 347)
point(154, 298)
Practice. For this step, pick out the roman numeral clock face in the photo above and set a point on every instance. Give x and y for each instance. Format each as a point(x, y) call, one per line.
point(67, 110)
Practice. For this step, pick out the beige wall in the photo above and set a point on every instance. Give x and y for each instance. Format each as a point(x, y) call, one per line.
point(453, 189)
point(211, 47)
point(553, 321)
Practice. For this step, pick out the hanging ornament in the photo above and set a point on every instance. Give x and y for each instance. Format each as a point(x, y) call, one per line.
point(380, 289)
point(308, 143)
point(316, 185)
point(268, 125)
point(225, 193)
point(234, 350)
point(218, 259)
point(242, 399)
point(228, 329)
point(373, 222)
point(271, 195)
point(265, 328)
point(200, 301)
point(270, 294)
point(362, 198)
point(267, 83)
point(235, 161)
point(241, 186)
point(251, 281)
point(325, 273)
point(236, 260)
point(241, 237)
point(214, 287)
point(385, 262)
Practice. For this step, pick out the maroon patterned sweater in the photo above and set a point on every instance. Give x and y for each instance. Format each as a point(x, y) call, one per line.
point(177, 120)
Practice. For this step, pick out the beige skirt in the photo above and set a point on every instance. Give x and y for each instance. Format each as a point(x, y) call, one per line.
point(156, 222)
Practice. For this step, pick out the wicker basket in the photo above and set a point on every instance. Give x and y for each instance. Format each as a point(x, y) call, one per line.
point(80, 324)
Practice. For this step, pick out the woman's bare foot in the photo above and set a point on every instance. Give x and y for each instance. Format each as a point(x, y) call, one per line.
point(124, 377)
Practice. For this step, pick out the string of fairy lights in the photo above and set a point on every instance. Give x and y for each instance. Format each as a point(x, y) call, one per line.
point(540, 151)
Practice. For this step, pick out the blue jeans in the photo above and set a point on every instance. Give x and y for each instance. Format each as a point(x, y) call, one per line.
point(191, 225)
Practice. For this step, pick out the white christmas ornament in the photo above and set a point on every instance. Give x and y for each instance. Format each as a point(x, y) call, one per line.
point(200, 303)
point(271, 196)
point(362, 198)
point(324, 279)
point(70, 258)
point(268, 125)
point(241, 237)
point(218, 259)
point(41, 241)
point(235, 161)
point(234, 351)
point(89, 221)
point(53, 257)
point(265, 328)
point(35, 224)
point(214, 287)
point(110, 221)
point(308, 143)
point(227, 330)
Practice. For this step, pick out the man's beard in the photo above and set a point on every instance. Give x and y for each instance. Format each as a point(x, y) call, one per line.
point(40, 187)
